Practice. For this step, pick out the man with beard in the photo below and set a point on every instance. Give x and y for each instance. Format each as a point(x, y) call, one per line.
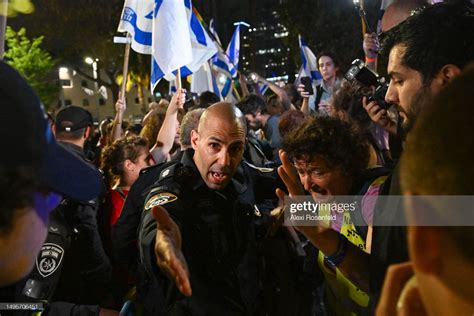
point(425, 53)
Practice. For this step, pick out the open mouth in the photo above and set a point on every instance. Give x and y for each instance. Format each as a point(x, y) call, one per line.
point(218, 177)
point(319, 191)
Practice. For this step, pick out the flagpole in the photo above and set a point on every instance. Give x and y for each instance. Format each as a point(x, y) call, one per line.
point(125, 66)
point(178, 79)
point(235, 90)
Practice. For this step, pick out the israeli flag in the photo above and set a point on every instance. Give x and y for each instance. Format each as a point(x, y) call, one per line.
point(212, 30)
point(222, 66)
point(137, 20)
point(204, 80)
point(309, 62)
point(233, 50)
point(171, 41)
point(202, 46)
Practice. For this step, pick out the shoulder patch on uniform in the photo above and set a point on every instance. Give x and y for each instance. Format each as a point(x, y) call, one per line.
point(49, 259)
point(160, 199)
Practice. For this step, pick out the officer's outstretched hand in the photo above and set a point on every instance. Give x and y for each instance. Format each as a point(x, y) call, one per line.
point(169, 257)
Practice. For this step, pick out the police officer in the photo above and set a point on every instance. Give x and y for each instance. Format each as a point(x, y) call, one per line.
point(72, 265)
point(200, 229)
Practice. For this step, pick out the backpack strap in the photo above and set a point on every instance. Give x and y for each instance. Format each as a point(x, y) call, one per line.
point(319, 94)
point(376, 176)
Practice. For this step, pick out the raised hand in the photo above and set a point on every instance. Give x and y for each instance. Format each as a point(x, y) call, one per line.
point(289, 176)
point(177, 101)
point(379, 116)
point(168, 252)
point(371, 45)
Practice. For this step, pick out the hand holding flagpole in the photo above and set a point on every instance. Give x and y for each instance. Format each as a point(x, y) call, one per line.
point(178, 80)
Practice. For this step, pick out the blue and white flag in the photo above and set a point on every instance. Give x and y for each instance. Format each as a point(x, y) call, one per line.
point(171, 41)
point(172, 87)
point(203, 47)
point(136, 19)
point(233, 50)
point(262, 88)
point(223, 66)
point(309, 61)
point(170, 32)
point(212, 30)
point(383, 6)
point(204, 80)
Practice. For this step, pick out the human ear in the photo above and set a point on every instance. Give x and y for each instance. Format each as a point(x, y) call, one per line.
point(128, 164)
point(448, 72)
point(194, 138)
point(425, 248)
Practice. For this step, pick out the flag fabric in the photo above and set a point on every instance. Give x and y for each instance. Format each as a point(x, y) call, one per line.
point(233, 50)
point(136, 19)
point(171, 32)
point(204, 80)
point(203, 47)
point(172, 87)
point(309, 62)
point(212, 30)
point(263, 88)
point(383, 6)
point(222, 64)
point(171, 40)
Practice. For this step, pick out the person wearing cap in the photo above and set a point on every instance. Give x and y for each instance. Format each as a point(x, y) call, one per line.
point(38, 175)
point(34, 175)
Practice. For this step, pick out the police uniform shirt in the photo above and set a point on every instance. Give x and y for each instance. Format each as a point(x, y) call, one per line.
point(218, 240)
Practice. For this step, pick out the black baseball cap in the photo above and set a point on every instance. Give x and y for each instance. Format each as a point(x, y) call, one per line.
point(72, 118)
point(27, 140)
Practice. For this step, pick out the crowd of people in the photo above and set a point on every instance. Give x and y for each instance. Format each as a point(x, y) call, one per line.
point(187, 213)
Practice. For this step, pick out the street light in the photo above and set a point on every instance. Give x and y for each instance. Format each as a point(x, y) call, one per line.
point(93, 62)
point(63, 73)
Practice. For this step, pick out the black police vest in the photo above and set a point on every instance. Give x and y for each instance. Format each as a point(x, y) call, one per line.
point(218, 237)
point(42, 283)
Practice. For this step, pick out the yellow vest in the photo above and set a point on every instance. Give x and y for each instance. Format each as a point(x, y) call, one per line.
point(342, 297)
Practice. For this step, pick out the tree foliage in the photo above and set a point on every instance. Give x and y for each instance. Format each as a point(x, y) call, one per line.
point(75, 29)
point(33, 62)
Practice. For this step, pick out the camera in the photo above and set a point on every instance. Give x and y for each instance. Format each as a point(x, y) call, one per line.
point(367, 77)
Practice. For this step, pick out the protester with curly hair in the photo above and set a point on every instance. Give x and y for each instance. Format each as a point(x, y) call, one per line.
point(123, 161)
point(327, 157)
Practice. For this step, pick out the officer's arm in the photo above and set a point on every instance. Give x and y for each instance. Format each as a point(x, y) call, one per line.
point(168, 253)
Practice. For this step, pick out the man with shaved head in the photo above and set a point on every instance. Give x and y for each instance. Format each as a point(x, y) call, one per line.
point(197, 237)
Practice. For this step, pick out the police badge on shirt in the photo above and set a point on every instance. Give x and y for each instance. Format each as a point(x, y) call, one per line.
point(49, 259)
point(161, 198)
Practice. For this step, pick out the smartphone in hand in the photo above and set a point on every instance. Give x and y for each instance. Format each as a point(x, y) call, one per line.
point(308, 87)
